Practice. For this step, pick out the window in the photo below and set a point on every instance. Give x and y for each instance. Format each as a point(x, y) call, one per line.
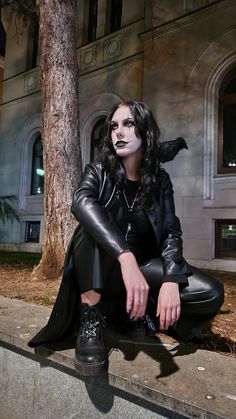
point(225, 231)
point(32, 49)
point(116, 13)
point(37, 174)
point(96, 138)
point(93, 15)
point(2, 39)
point(227, 125)
point(2, 54)
point(32, 231)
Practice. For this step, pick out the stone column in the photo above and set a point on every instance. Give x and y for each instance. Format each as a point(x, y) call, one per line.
point(102, 21)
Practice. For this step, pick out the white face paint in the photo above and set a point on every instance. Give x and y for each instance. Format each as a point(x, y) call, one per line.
point(124, 139)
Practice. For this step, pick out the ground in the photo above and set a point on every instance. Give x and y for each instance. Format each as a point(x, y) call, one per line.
point(17, 282)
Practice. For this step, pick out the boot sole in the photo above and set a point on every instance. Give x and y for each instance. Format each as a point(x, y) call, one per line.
point(87, 369)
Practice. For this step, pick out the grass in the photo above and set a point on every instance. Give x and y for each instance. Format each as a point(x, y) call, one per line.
point(19, 295)
point(19, 259)
point(46, 298)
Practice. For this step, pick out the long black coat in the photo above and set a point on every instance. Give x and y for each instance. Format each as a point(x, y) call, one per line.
point(91, 208)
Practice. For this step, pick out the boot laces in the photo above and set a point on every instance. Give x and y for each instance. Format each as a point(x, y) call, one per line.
point(90, 331)
point(92, 320)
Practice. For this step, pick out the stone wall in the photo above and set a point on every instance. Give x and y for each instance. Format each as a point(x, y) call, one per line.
point(181, 59)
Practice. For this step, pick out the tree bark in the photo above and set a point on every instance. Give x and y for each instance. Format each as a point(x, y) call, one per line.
point(60, 128)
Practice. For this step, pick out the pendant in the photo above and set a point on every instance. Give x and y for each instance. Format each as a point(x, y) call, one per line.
point(127, 232)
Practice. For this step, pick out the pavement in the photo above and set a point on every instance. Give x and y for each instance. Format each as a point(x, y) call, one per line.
point(187, 381)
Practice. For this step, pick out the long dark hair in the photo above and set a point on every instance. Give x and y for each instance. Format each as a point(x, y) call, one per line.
point(149, 132)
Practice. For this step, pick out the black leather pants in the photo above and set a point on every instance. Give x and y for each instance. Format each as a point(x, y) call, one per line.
point(201, 297)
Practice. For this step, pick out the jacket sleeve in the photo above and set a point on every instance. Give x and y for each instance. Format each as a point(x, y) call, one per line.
point(93, 216)
point(175, 267)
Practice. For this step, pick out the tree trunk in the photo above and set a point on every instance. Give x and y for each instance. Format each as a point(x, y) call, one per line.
point(60, 128)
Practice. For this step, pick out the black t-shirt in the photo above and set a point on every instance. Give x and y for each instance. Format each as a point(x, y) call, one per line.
point(134, 225)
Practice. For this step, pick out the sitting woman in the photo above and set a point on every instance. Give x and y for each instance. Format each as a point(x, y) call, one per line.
point(125, 258)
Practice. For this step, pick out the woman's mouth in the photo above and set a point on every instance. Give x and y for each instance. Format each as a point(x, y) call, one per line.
point(120, 144)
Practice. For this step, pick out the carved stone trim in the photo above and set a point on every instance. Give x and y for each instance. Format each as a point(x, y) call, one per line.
point(112, 47)
point(88, 57)
point(31, 81)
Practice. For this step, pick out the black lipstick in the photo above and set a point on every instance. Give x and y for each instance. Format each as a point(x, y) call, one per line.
point(120, 143)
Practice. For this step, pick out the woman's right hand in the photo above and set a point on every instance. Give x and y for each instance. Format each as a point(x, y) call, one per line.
point(136, 285)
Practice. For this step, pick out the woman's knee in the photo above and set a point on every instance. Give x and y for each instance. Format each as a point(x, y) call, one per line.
point(218, 292)
point(204, 289)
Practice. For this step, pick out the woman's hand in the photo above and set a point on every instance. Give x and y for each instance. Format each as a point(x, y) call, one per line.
point(168, 304)
point(136, 286)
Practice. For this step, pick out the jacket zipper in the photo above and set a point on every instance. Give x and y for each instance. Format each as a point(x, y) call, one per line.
point(127, 231)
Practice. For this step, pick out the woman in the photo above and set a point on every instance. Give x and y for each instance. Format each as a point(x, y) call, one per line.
point(125, 259)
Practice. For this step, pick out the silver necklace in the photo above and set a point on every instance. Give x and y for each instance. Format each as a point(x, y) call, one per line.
point(131, 207)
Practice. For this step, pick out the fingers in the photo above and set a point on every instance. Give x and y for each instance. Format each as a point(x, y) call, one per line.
point(167, 316)
point(137, 301)
point(129, 300)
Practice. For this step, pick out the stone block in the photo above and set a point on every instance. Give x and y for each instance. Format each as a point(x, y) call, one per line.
point(197, 228)
point(197, 249)
point(187, 185)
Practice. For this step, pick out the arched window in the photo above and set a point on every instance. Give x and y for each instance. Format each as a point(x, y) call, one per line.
point(227, 125)
point(96, 138)
point(37, 174)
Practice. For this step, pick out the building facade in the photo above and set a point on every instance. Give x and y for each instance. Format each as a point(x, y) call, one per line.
point(179, 57)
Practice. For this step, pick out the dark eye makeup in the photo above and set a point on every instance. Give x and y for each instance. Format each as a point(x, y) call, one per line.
point(128, 122)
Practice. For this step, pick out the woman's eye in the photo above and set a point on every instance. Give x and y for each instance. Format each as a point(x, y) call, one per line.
point(113, 127)
point(129, 124)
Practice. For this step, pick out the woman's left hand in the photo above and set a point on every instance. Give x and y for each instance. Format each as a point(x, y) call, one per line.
point(168, 304)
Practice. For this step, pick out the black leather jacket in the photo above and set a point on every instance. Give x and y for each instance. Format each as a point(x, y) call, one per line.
point(91, 208)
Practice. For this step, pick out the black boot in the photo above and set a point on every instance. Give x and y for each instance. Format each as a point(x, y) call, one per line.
point(89, 350)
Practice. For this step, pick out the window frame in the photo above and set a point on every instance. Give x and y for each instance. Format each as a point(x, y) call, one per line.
point(219, 254)
point(27, 226)
point(33, 157)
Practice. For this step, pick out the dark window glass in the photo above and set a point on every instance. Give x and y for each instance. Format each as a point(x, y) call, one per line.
point(96, 138)
point(32, 49)
point(225, 239)
point(93, 15)
point(32, 231)
point(2, 40)
point(227, 125)
point(230, 87)
point(37, 178)
point(116, 13)
point(229, 136)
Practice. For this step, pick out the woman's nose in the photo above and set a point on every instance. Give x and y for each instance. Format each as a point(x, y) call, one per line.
point(119, 133)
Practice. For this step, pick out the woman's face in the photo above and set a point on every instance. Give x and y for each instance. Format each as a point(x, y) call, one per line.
point(124, 138)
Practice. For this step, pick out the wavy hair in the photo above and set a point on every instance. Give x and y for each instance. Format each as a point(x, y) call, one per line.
point(148, 130)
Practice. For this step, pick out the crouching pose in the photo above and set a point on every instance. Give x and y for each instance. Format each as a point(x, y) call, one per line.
point(125, 261)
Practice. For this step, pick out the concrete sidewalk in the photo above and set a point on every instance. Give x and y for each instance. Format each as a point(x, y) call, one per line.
point(188, 382)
